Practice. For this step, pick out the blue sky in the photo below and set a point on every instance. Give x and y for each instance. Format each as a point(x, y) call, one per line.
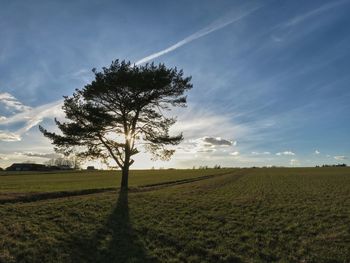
point(271, 78)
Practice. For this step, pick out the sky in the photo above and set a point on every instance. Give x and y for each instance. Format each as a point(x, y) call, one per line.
point(270, 78)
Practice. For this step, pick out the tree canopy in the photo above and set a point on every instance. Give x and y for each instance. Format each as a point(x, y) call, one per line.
point(122, 110)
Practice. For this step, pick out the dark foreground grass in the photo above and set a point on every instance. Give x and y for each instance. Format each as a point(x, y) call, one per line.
point(252, 215)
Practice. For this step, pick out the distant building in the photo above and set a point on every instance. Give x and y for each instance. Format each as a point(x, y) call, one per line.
point(90, 168)
point(36, 167)
point(26, 167)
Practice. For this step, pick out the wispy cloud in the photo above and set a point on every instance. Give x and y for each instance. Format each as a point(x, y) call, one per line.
point(212, 141)
point(303, 23)
point(340, 157)
point(206, 144)
point(84, 75)
point(285, 153)
point(216, 25)
point(294, 162)
point(261, 153)
point(206, 123)
point(12, 104)
point(9, 136)
point(42, 155)
point(3, 158)
point(28, 119)
point(301, 18)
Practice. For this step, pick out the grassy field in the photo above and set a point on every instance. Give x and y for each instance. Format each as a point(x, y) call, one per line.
point(248, 215)
point(15, 182)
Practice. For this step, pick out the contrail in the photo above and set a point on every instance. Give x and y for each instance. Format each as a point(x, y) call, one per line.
point(316, 11)
point(201, 33)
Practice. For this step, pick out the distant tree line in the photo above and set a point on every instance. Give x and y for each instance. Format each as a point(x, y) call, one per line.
point(204, 167)
point(333, 165)
point(71, 162)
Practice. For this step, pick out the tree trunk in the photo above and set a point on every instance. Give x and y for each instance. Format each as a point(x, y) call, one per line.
point(125, 169)
point(125, 179)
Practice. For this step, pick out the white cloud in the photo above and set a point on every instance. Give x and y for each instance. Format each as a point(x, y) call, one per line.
point(212, 141)
point(317, 152)
point(4, 158)
point(234, 153)
point(261, 153)
point(205, 150)
point(196, 122)
point(9, 136)
point(192, 150)
point(285, 153)
point(206, 144)
point(340, 157)
point(11, 103)
point(294, 162)
point(31, 117)
point(42, 155)
point(216, 25)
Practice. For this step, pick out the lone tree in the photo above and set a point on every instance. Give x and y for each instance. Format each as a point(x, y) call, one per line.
point(120, 111)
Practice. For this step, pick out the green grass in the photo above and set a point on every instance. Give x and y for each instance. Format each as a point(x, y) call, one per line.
point(16, 182)
point(250, 215)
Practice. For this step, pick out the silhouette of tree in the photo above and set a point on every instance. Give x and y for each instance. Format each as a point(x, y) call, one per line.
point(121, 110)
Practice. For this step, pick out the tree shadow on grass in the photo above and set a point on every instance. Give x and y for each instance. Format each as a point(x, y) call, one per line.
point(116, 241)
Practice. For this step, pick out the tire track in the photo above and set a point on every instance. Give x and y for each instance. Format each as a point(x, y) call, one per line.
point(11, 198)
